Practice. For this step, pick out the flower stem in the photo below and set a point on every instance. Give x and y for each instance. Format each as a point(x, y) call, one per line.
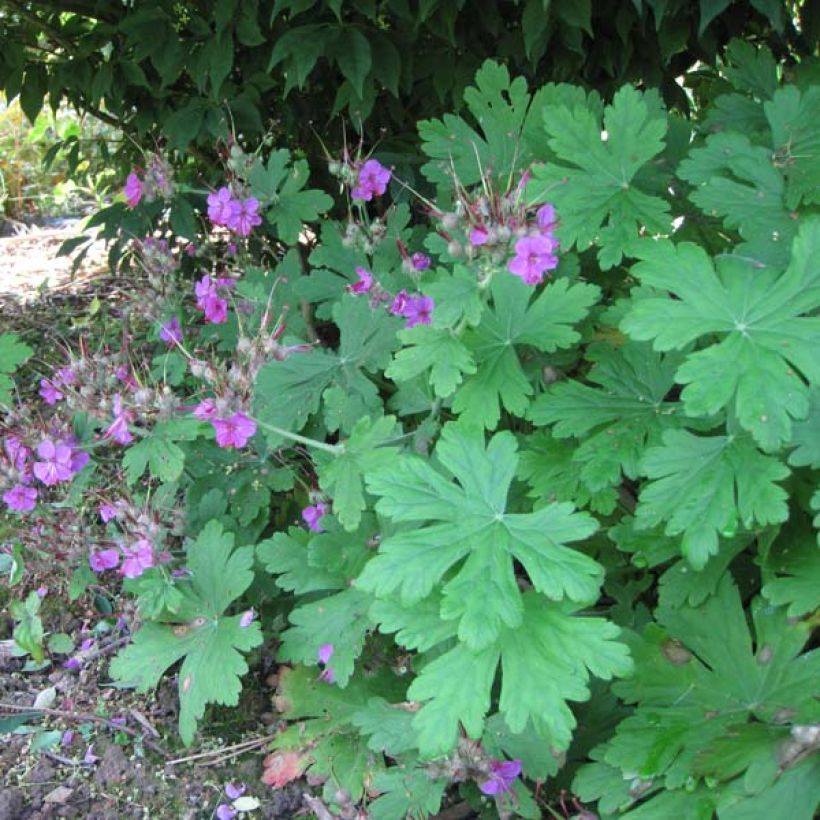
point(336, 449)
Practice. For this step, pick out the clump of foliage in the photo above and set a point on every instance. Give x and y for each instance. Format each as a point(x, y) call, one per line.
point(519, 478)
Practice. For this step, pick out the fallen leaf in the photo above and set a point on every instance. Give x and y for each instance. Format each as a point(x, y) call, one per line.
point(59, 795)
point(283, 767)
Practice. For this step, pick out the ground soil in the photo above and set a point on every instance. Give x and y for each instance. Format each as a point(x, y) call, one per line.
point(130, 773)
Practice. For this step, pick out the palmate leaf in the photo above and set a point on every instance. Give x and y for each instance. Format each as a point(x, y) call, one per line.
point(518, 317)
point(544, 663)
point(469, 521)
point(736, 180)
point(211, 643)
point(288, 392)
point(13, 353)
point(768, 342)
point(279, 186)
point(703, 486)
point(622, 412)
point(703, 682)
point(593, 185)
point(792, 574)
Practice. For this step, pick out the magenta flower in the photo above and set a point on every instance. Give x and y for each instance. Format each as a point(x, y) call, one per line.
point(246, 620)
point(137, 559)
point(418, 311)
point(478, 236)
point(17, 452)
point(225, 812)
point(234, 431)
point(50, 392)
point(205, 410)
point(204, 289)
point(534, 256)
point(504, 772)
point(108, 512)
point(104, 559)
point(244, 216)
point(171, 332)
point(67, 738)
point(399, 303)
point(545, 217)
point(234, 792)
point(324, 654)
point(220, 206)
point(89, 758)
point(364, 283)
point(372, 181)
point(311, 516)
point(56, 463)
point(420, 261)
point(210, 302)
point(118, 430)
point(132, 190)
point(20, 498)
point(79, 458)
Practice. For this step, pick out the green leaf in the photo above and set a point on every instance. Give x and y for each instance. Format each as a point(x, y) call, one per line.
point(699, 681)
point(709, 9)
point(518, 318)
point(544, 663)
point(354, 57)
point(287, 392)
point(209, 642)
point(387, 725)
point(159, 451)
point(806, 435)
point(792, 570)
point(406, 792)
point(279, 186)
point(594, 189)
point(13, 353)
point(794, 117)
point(736, 180)
point(766, 341)
point(617, 416)
point(341, 476)
point(434, 349)
point(471, 523)
point(703, 485)
point(286, 556)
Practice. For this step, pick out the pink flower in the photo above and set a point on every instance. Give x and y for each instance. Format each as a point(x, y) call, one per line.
point(132, 190)
point(324, 654)
point(17, 452)
point(103, 560)
point(234, 431)
point(108, 512)
point(20, 498)
point(478, 236)
point(216, 310)
point(399, 303)
point(235, 792)
point(311, 516)
point(171, 332)
point(545, 217)
point(118, 430)
point(50, 392)
point(502, 776)
point(205, 410)
point(420, 261)
point(79, 458)
point(534, 255)
point(418, 311)
point(245, 621)
point(56, 463)
point(372, 181)
point(220, 206)
point(364, 283)
point(244, 216)
point(137, 559)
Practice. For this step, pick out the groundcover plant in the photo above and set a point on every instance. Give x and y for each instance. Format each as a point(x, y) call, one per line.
point(516, 474)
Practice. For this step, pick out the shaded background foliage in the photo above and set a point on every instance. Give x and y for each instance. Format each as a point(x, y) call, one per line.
point(172, 71)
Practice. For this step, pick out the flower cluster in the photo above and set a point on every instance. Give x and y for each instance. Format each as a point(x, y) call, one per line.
point(416, 309)
point(493, 226)
point(157, 182)
point(137, 533)
point(50, 389)
point(238, 215)
point(210, 297)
